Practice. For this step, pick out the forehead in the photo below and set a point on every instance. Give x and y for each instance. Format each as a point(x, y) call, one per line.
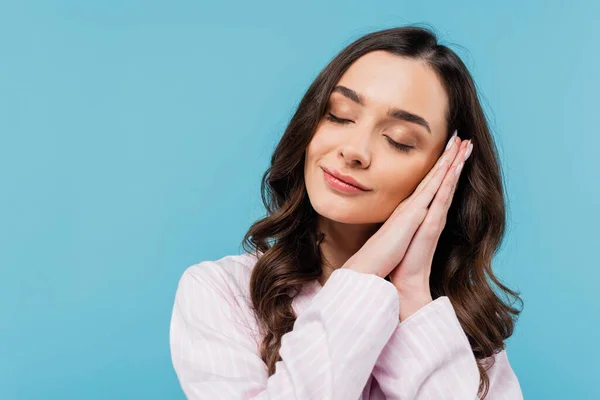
point(387, 80)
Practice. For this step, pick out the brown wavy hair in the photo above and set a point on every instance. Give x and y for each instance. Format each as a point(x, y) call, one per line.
point(286, 240)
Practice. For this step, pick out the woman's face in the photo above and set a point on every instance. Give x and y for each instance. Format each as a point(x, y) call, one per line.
point(363, 145)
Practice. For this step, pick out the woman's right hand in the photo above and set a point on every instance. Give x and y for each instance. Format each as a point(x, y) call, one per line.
point(385, 249)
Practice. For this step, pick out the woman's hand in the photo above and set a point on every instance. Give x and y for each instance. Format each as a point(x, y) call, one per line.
point(383, 252)
point(410, 272)
point(411, 276)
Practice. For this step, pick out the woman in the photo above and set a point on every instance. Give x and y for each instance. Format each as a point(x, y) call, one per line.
point(370, 277)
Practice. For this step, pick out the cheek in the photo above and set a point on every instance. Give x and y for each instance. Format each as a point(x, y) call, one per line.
point(322, 143)
point(322, 140)
point(315, 146)
point(397, 185)
point(315, 151)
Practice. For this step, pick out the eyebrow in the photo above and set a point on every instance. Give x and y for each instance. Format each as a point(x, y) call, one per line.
point(392, 112)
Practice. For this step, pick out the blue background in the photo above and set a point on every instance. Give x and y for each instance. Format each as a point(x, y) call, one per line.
point(133, 135)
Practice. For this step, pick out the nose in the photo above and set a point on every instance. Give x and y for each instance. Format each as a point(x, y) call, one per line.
point(355, 151)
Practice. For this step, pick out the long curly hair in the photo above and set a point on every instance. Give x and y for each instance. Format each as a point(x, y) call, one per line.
point(286, 240)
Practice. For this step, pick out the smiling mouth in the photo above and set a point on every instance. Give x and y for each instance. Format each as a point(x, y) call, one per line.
point(341, 186)
point(347, 179)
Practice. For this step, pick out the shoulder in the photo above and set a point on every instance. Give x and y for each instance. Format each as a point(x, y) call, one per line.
point(228, 276)
point(214, 295)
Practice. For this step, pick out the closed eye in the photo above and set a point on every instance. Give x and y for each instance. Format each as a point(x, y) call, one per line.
point(399, 146)
point(337, 120)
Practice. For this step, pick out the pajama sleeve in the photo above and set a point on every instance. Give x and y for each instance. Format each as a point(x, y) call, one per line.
point(329, 354)
point(429, 356)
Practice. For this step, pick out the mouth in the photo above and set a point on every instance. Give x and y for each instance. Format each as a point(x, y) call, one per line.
point(342, 183)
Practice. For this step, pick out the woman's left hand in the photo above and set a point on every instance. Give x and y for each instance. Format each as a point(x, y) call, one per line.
point(411, 276)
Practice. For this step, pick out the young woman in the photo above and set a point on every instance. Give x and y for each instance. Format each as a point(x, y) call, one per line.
point(371, 276)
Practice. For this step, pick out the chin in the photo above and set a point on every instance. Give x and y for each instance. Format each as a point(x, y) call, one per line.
point(343, 211)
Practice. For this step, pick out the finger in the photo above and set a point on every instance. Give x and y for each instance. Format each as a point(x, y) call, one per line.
point(454, 141)
point(443, 198)
point(424, 197)
point(448, 155)
point(465, 154)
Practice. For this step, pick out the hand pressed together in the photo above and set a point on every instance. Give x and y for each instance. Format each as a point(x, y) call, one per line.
point(404, 245)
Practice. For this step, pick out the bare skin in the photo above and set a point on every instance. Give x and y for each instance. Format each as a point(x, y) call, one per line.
point(389, 157)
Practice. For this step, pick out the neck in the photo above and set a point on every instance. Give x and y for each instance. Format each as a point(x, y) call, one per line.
point(341, 242)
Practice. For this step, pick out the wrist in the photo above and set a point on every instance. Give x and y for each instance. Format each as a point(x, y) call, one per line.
point(412, 302)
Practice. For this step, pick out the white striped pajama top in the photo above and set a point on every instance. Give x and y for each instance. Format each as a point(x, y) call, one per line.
point(347, 342)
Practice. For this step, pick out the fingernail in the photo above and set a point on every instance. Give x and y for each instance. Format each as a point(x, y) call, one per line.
point(458, 169)
point(452, 140)
point(469, 150)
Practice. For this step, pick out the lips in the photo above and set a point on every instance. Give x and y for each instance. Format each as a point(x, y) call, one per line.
point(345, 178)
